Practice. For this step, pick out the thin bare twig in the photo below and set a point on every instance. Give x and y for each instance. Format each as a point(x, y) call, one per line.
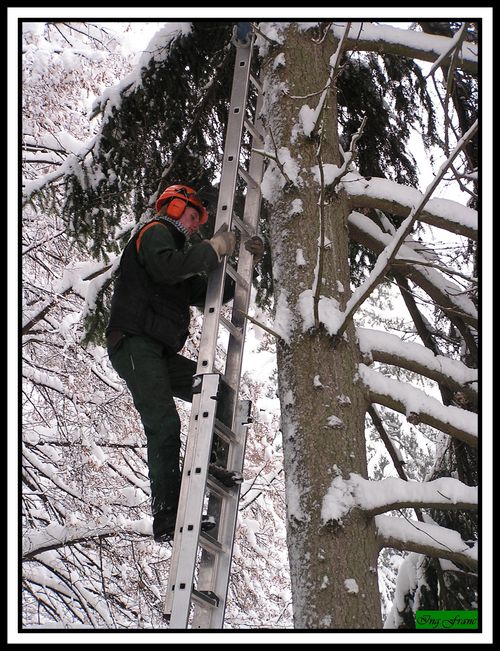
point(260, 325)
point(321, 245)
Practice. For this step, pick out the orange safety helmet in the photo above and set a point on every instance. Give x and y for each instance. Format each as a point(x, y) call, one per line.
point(179, 196)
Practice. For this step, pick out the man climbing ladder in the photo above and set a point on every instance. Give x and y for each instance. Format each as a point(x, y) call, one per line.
point(157, 282)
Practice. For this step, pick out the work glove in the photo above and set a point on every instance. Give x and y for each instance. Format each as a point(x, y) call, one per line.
point(223, 242)
point(256, 247)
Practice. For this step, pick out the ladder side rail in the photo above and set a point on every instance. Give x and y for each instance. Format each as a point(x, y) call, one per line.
point(215, 576)
point(230, 163)
point(213, 301)
point(177, 546)
point(251, 215)
point(191, 503)
point(214, 572)
point(218, 577)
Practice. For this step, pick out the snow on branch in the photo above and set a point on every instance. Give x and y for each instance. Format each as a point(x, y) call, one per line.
point(397, 199)
point(403, 42)
point(46, 380)
point(386, 258)
point(106, 105)
point(50, 473)
point(446, 295)
point(453, 49)
point(71, 165)
point(32, 575)
point(427, 539)
point(55, 536)
point(331, 175)
point(84, 280)
point(158, 50)
point(419, 407)
point(375, 497)
point(390, 349)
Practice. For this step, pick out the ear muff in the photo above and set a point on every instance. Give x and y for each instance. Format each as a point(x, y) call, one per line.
point(175, 208)
point(179, 196)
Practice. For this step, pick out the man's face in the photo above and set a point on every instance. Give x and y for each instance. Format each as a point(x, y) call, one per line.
point(190, 219)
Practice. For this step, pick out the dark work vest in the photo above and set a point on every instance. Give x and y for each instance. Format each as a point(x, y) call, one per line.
point(142, 307)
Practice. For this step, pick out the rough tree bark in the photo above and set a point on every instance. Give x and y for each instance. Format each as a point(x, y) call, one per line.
point(333, 565)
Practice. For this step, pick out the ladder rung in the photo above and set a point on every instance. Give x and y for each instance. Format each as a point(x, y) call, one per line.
point(211, 544)
point(249, 126)
point(241, 226)
point(256, 82)
point(249, 180)
point(235, 331)
point(218, 488)
point(224, 431)
point(239, 280)
point(206, 597)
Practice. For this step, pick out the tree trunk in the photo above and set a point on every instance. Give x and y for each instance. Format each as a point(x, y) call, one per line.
point(332, 565)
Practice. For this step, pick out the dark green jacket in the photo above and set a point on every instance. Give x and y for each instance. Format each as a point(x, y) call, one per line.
point(157, 282)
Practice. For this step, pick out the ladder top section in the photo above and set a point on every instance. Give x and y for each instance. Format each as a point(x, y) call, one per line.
point(242, 34)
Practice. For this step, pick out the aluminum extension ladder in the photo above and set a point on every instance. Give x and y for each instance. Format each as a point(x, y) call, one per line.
point(201, 561)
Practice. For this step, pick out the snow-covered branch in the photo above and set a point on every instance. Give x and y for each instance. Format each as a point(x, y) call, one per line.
point(393, 198)
point(332, 175)
point(390, 349)
point(375, 497)
point(427, 539)
point(73, 279)
point(419, 407)
point(55, 536)
point(48, 472)
point(452, 272)
point(72, 164)
point(386, 258)
point(453, 49)
point(41, 378)
point(443, 292)
point(402, 42)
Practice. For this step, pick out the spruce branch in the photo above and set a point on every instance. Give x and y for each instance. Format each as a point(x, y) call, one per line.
point(393, 453)
point(454, 47)
point(452, 272)
point(200, 111)
point(29, 325)
point(449, 83)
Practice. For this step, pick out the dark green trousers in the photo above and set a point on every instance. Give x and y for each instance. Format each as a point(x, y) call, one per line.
point(154, 378)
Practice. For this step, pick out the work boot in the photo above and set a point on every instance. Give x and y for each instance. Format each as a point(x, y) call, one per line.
point(229, 478)
point(164, 525)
